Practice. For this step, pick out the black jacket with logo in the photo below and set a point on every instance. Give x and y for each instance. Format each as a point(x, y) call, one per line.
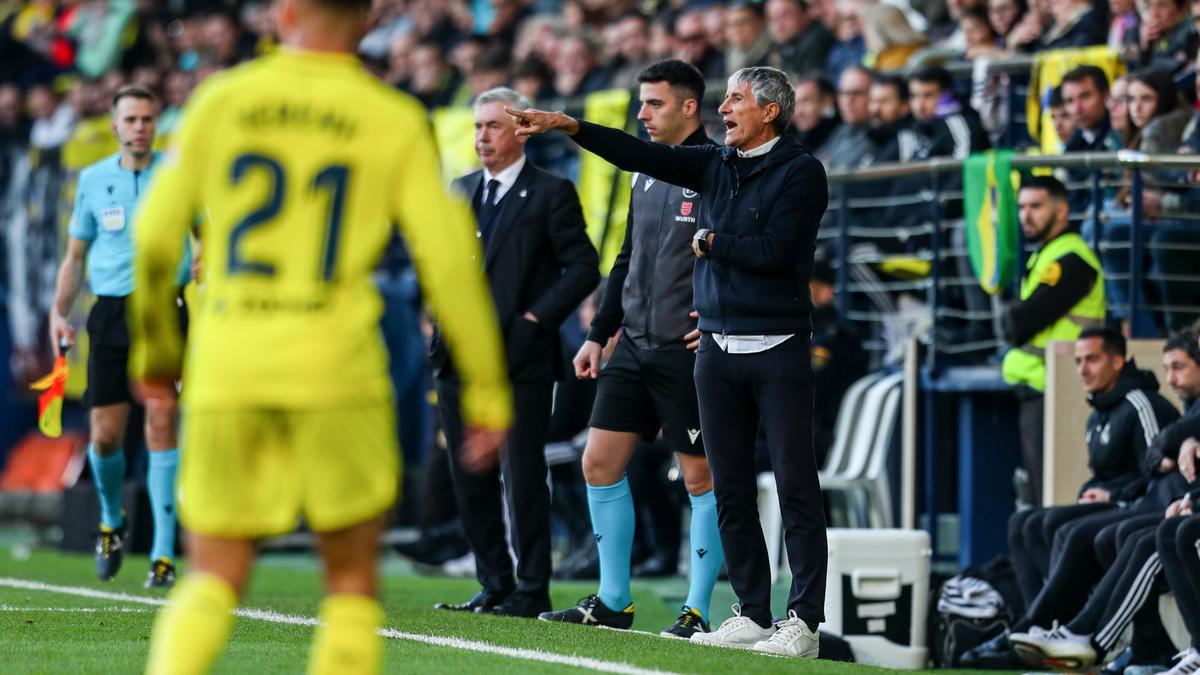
point(754, 280)
point(1121, 430)
point(649, 289)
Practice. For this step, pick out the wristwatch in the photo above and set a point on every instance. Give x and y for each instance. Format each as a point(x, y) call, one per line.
point(700, 242)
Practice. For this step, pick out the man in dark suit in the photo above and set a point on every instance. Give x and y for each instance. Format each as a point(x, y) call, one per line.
point(541, 265)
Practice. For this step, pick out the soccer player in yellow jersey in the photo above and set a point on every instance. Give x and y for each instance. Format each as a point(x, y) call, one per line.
point(303, 163)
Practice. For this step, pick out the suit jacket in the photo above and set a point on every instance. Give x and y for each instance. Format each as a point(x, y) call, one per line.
point(539, 259)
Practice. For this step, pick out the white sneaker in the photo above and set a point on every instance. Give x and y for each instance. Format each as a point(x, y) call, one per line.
point(1189, 664)
point(792, 638)
point(737, 632)
point(1057, 648)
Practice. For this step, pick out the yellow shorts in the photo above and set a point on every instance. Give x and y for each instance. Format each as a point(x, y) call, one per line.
point(251, 473)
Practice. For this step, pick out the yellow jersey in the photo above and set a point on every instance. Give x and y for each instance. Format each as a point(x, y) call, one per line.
point(304, 163)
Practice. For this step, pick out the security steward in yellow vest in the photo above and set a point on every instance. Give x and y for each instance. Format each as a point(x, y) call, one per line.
point(1062, 293)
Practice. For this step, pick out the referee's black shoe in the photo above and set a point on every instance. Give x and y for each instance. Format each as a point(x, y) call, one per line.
point(592, 612)
point(110, 552)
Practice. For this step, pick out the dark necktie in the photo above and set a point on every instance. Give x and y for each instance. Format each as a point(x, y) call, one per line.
point(488, 209)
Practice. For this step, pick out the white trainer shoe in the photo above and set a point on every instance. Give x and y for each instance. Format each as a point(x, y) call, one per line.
point(1189, 664)
point(1057, 648)
point(736, 632)
point(792, 638)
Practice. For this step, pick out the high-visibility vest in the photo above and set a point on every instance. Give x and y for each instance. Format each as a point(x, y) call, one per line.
point(1026, 364)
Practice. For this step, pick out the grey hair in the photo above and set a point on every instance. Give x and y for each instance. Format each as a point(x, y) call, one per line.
point(769, 85)
point(503, 95)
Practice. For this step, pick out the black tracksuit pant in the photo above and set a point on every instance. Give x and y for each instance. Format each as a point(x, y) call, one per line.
point(1030, 534)
point(1177, 538)
point(526, 489)
point(735, 392)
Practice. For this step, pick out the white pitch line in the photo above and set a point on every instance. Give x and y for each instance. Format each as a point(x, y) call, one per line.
point(275, 617)
point(72, 610)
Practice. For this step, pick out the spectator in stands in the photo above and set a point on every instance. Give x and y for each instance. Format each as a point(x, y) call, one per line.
point(14, 125)
point(1004, 15)
point(1128, 414)
point(1121, 596)
point(1060, 116)
point(691, 45)
point(850, 145)
point(850, 46)
point(799, 42)
point(746, 38)
point(816, 112)
point(1077, 23)
point(1165, 39)
point(1085, 95)
point(1123, 24)
point(979, 37)
point(225, 41)
point(887, 104)
point(1118, 109)
point(662, 36)
point(629, 42)
point(531, 79)
point(1025, 35)
point(399, 59)
point(53, 119)
point(938, 111)
point(1061, 294)
point(1156, 112)
point(178, 88)
point(491, 69)
point(891, 39)
point(434, 81)
point(575, 70)
point(714, 25)
point(947, 34)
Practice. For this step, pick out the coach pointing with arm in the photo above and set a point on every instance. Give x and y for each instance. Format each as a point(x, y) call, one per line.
point(763, 196)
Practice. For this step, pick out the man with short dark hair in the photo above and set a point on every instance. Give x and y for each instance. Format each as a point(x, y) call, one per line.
point(800, 42)
point(1085, 95)
point(1062, 293)
point(107, 198)
point(938, 112)
point(762, 198)
point(647, 384)
point(816, 111)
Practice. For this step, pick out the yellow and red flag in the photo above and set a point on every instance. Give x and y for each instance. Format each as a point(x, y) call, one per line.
point(50, 403)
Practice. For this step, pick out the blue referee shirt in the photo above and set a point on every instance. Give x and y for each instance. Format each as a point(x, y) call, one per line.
point(106, 201)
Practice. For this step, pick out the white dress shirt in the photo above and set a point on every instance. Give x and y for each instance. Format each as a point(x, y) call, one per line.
point(507, 177)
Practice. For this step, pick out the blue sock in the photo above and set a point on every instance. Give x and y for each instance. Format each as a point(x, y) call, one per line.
point(707, 552)
point(612, 525)
point(109, 476)
point(160, 480)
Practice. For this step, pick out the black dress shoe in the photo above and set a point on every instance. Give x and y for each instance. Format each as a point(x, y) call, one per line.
point(522, 604)
point(995, 654)
point(483, 601)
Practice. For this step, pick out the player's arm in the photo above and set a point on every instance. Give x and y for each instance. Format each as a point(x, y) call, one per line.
point(440, 236)
point(66, 289)
point(682, 165)
point(166, 215)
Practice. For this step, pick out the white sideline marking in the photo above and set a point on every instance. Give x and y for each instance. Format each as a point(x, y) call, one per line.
point(72, 610)
point(276, 617)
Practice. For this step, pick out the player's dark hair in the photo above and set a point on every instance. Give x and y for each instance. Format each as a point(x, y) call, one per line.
point(683, 77)
point(133, 91)
point(1185, 341)
point(1052, 185)
point(1112, 342)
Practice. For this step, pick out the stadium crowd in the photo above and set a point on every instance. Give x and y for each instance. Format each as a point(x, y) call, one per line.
point(870, 89)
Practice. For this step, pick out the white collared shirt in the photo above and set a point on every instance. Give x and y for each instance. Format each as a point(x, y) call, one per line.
point(507, 177)
point(760, 150)
point(751, 344)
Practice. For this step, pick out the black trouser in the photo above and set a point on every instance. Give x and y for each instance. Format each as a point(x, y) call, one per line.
point(1126, 585)
point(523, 466)
point(1031, 420)
point(735, 392)
point(1074, 570)
point(1177, 538)
point(1030, 533)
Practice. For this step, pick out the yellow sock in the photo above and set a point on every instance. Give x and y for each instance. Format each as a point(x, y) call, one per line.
point(347, 642)
point(191, 632)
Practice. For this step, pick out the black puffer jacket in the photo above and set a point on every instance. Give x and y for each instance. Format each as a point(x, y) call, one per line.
point(1121, 430)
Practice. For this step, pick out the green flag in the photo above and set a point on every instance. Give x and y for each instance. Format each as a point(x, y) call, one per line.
point(989, 202)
